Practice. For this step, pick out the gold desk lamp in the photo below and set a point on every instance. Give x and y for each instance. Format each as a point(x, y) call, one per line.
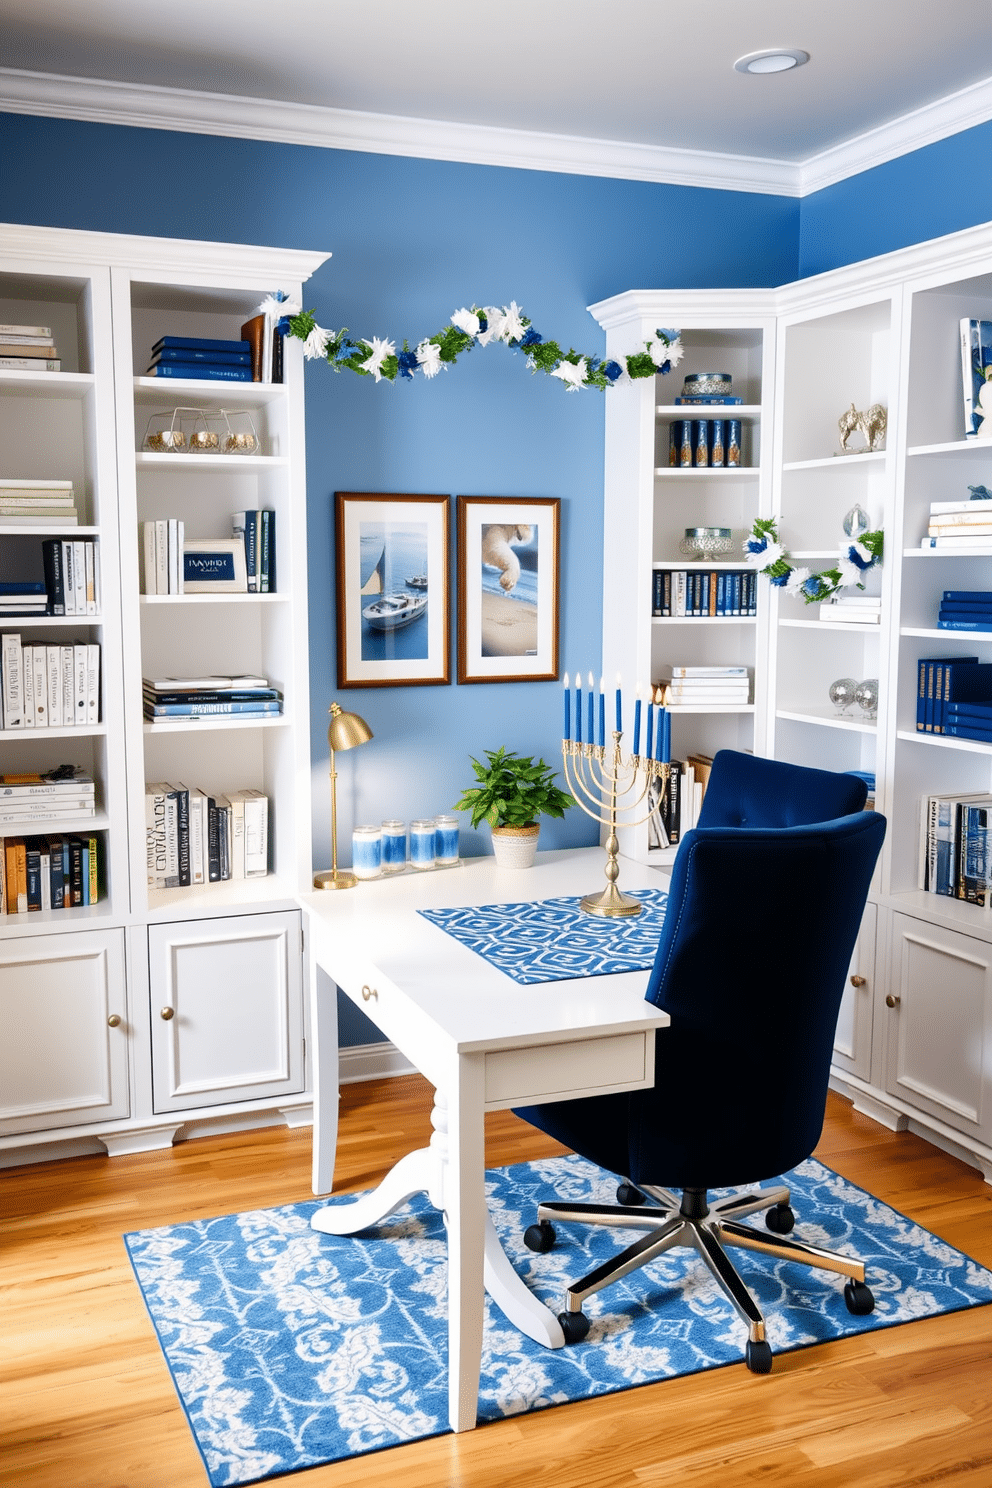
point(344, 731)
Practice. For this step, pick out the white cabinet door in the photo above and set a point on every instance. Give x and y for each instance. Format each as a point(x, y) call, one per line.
point(852, 1041)
point(226, 1010)
point(939, 1024)
point(63, 1010)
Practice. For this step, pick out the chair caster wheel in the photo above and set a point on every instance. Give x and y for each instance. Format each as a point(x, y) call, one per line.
point(758, 1357)
point(574, 1325)
point(628, 1195)
point(780, 1220)
point(540, 1237)
point(858, 1298)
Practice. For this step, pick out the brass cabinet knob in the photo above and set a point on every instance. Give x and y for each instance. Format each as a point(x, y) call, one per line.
point(114, 1021)
point(892, 1000)
point(168, 1013)
point(369, 992)
point(859, 981)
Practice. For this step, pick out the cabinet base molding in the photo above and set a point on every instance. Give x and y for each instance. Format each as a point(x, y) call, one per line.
point(896, 1117)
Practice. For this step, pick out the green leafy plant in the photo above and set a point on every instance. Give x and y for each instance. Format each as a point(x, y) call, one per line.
point(512, 791)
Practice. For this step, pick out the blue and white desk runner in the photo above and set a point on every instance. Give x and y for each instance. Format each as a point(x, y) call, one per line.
point(553, 940)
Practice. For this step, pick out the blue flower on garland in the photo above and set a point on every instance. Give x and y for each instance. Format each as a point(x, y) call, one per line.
point(407, 363)
point(531, 338)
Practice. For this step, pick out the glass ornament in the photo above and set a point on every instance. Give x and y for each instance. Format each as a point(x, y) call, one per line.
point(842, 694)
point(866, 697)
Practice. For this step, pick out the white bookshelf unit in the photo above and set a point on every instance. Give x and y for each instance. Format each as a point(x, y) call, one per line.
point(914, 1045)
point(153, 1011)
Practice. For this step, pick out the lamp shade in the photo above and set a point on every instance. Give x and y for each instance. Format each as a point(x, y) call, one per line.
point(346, 730)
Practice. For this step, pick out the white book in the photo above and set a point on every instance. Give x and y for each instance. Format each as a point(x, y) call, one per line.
point(79, 666)
point(974, 544)
point(155, 834)
point(53, 671)
point(161, 556)
point(150, 558)
point(79, 574)
point(53, 809)
point(90, 558)
point(180, 559)
point(92, 683)
point(702, 671)
point(197, 836)
point(937, 507)
point(68, 578)
point(39, 656)
point(11, 663)
point(173, 555)
point(237, 800)
point(36, 485)
point(256, 807)
point(97, 577)
point(171, 839)
point(27, 681)
point(46, 876)
point(68, 686)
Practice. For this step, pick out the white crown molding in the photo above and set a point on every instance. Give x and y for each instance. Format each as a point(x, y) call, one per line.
point(146, 107)
point(923, 126)
point(214, 262)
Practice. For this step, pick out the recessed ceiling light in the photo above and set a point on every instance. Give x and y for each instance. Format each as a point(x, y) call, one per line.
point(780, 59)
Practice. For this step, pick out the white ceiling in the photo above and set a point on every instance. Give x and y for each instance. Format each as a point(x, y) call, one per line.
point(647, 73)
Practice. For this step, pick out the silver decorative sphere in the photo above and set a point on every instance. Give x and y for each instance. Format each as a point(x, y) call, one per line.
point(842, 693)
point(866, 696)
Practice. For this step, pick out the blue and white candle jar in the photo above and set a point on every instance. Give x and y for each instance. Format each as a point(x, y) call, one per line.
point(366, 852)
point(393, 846)
point(446, 840)
point(423, 844)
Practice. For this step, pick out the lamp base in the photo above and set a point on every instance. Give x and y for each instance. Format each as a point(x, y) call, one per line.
point(611, 904)
point(331, 880)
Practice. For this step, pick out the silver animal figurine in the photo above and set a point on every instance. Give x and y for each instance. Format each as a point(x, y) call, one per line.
point(870, 422)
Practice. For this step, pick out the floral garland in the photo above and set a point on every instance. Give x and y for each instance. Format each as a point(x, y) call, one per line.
point(857, 556)
point(377, 357)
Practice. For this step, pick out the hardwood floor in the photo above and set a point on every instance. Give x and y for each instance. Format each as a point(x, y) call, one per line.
point(87, 1401)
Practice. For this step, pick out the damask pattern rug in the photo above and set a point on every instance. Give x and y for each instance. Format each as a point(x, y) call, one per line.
point(554, 939)
point(290, 1348)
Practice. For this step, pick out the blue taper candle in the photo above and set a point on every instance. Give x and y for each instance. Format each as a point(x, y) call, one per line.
point(619, 712)
point(578, 708)
point(650, 737)
point(602, 712)
point(637, 721)
point(567, 725)
point(591, 712)
point(666, 737)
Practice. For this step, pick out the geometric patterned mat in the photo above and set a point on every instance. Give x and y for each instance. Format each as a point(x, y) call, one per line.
point(554, 939)
point(289, 1348)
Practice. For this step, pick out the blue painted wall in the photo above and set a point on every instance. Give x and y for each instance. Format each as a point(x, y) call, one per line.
point(940, 189)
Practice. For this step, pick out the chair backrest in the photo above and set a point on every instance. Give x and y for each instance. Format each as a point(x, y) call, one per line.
point(744, 790)
point(752, 962)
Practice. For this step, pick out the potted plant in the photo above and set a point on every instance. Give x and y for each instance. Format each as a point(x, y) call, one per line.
point(511, 794)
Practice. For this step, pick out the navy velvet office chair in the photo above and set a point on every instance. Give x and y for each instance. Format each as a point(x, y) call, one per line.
point(764, 908)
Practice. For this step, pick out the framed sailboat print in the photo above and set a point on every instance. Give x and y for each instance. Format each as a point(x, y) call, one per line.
point(392, 589)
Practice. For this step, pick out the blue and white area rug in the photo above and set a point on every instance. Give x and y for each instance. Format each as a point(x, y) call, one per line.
point(554, 939)
point(289, 1348)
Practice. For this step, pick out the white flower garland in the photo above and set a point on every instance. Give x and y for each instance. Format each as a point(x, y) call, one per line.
point(857, 555)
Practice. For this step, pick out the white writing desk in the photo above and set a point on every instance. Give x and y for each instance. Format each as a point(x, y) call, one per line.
point(485, 1043)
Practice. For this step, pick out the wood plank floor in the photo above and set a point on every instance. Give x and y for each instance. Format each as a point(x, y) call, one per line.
point(87, 1402)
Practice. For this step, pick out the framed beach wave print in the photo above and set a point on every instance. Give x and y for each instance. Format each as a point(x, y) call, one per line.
point(508, 556)
point(392, 561)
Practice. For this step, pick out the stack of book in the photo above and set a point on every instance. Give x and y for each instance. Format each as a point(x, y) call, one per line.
point(195, 838)
point(852, 609)
point(162, 550)
point(49, 872)
point(705, 686)
point(201, 359)
point(679, 799)
point(23, 597)
point(37, 503)
point(28, 348)
point(959, 524)
point(680, 593)
point(949, 690)
point(72, 575)
point(266, 349)
point(208, 697)
point(954, 847)
point(257, 529)
point(965, 609)
point(52, 686)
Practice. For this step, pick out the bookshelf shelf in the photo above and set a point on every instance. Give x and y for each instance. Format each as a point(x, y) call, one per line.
point(214, 721)
point(74, 386)
point(939, 741)
point(213, 599)
point(827, 720)
point(850, 627)
point(49, 529)
point(969, 447)
point(231, 897)
point(188, 391)
point(707, 472)
point(42, 735)
point(224, 464)
point(667, 413)
point(49, 622)
point(723, 621)
point(931, 633)
point(837, 462)
point(983, 550)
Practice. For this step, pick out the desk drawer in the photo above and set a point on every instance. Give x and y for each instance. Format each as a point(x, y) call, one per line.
point(592, 1066)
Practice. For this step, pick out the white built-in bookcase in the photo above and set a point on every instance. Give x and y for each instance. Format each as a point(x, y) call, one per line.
point(914, 1045)
point(151, 1010)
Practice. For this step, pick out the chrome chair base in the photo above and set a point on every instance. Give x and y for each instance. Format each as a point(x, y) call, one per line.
point(671, 1222)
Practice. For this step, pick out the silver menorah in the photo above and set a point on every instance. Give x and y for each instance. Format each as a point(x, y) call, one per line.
point(614, 790)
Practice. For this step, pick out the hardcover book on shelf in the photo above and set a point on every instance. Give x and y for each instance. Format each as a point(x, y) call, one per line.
point(976, 364)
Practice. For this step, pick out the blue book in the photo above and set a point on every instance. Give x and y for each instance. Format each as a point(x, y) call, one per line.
point(191, 354)
point(961, 711)
point(200, 371)
point(926, 679)
point(964, 624)
point(973, 861)
point(22, 586)
point(210, 710)
point(706, 398)
point(247, 695)
point(202, 343)
point(968, 731)
point(961, 682)
point(967, 596)
point(267, 552)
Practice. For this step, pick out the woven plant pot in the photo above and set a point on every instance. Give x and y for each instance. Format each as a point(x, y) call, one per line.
point(515, 846)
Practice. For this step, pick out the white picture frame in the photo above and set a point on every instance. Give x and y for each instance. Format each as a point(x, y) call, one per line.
point(217, 564)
